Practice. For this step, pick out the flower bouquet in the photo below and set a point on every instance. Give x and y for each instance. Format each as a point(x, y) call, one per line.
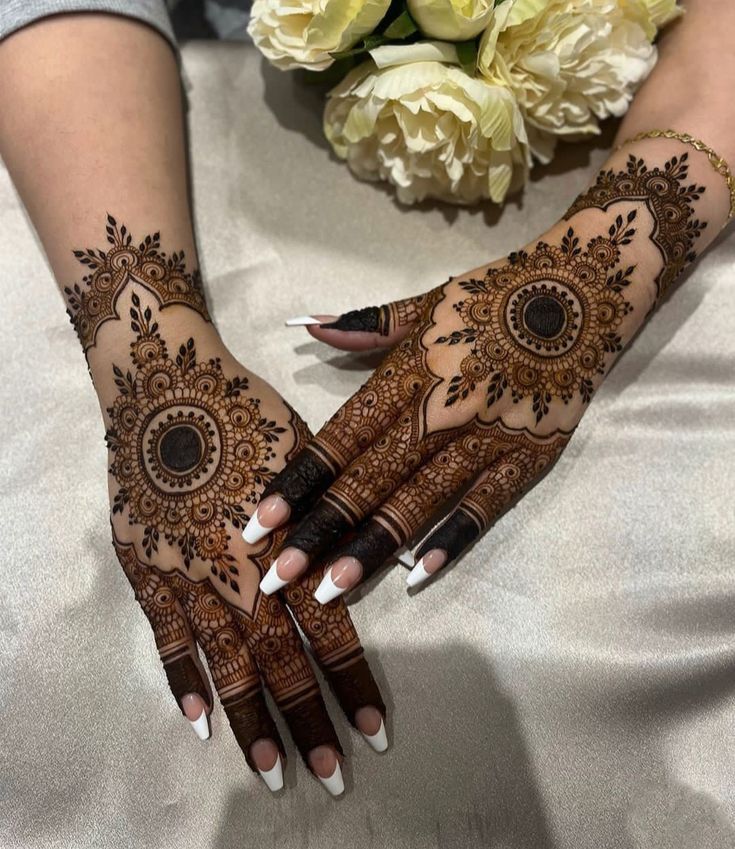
point(457, 99)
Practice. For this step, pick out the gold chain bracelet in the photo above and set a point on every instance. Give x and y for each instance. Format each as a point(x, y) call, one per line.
point(717, 162)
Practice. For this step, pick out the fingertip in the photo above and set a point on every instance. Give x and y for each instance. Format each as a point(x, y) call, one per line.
point(370, 723)
point(195, 710)
point(269, 763)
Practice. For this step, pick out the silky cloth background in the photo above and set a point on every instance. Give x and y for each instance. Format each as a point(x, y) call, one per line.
point(569, 684)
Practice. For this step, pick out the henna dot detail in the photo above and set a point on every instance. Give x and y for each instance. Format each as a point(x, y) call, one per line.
point(181, 448)
point(544, 316)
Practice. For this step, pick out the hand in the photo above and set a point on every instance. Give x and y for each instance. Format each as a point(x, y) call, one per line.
point(193, 438)
point(488, 376)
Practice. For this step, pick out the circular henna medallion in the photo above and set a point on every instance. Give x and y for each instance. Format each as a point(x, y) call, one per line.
point(542, 324)
point(189, 448)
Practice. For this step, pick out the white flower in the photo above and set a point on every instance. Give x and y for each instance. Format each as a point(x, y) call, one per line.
point(429, 129)
point(303, 33)
point(452, 20)
point(570, 63)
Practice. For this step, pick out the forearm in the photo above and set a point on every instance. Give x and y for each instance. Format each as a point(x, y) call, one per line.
point(690, 89)
point(91, 129)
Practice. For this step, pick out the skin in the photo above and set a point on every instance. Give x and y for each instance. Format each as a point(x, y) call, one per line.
point(359, 461)
point(86, 130)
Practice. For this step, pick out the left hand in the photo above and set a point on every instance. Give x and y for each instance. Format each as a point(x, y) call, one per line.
point(488, 376)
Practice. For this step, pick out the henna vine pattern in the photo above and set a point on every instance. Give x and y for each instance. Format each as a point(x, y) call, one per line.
point(190, 448)
point(92, 303)
point(669, 200)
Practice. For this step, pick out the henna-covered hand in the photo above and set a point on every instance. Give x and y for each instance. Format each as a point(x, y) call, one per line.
point(488, 376)
point(193, 438)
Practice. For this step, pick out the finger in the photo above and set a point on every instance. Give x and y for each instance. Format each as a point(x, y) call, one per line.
point(496, 488)
point(284, 665)
point(174, 639)
point(364, 329)
point(237, 681)
point(335, 644)
point(351, 430)
point(361, 488)
point(411, 505)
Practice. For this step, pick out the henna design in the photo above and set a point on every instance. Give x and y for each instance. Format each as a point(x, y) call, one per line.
point(92, 303)
point(189, 448)
point(668, 199)
point(489, 358)
point(543, 324)
point(380, 320)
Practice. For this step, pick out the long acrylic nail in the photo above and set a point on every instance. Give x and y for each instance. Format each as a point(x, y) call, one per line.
point(305, 320)
point(272, 512)
point(340, 577)
point(268, 761)
point(369, 721)
point(325, 765)
point(430, 563)
point(196, 712)
point(289, 564)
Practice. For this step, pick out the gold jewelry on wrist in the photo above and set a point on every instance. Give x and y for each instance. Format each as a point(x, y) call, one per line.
point(717, 162)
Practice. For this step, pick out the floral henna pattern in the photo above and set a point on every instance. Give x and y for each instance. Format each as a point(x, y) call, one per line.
point(669, 199)
point(543, 325)
point(189, 448)
point(92, 303)
point(494, 375)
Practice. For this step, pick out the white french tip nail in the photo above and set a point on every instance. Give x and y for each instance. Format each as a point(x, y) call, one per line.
point(335, 783)
point(273, 777)
point(302, 320)
point(418, 574)
point(271, 583)
point(405, 557)
point(378, 741)
point(327, 590)
point(201, 726)
point(254, 531)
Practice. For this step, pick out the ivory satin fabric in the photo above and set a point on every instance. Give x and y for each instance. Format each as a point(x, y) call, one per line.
point(569, 684)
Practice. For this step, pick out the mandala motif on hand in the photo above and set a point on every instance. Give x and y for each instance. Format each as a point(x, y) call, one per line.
point(543, 324)
point(189, 448)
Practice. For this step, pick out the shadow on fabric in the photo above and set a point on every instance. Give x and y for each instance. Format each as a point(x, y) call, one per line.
point(450, 780)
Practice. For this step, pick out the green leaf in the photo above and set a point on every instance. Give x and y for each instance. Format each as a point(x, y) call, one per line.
point(403, 26)
point(368, 43)
point(467, 55)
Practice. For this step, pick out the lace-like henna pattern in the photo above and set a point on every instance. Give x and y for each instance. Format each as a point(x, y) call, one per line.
point(190, 448)
point(543, 324)
point(444, 408)
point(668, 198)
point(92, 303)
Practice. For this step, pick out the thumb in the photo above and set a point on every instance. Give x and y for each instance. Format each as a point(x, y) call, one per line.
point(367, 328)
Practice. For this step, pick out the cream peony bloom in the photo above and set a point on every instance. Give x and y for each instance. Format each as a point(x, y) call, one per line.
point(303, 33)
point(429, 129)
point(570, 63)
point(452, 20)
